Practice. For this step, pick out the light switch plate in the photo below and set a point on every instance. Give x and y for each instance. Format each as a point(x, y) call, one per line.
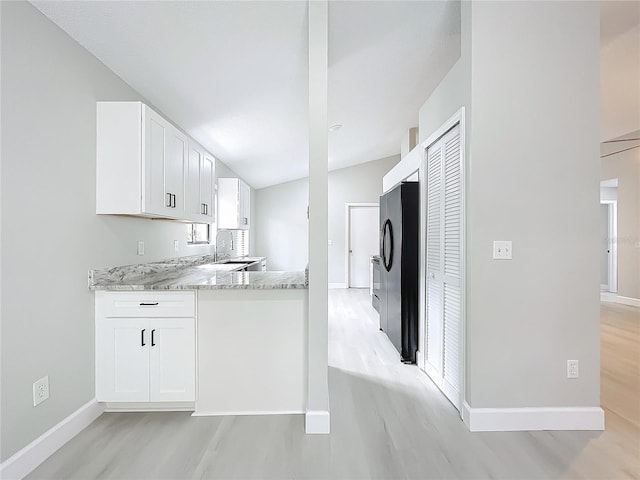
point(502, 250)
point(176, 245)
point(140, 247)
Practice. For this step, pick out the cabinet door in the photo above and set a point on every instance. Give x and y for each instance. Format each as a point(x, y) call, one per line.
point(155, 199)
point(194, 164)
point(173, 357)
point(228, 203)
point(207, 190)
point(122, 360)
point(175, 166)
point(244, 220)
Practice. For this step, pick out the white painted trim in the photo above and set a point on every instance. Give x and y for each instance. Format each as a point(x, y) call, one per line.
point(612, 297)
point(150, 406)
point(347, 238)
point(317, 422)
point(247, 412)
point(420, 359)
point(532, 419)
point(30, 457)
point(407, 167)
point(338, 285)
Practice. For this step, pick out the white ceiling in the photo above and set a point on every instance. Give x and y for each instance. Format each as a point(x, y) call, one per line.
point(233, 74)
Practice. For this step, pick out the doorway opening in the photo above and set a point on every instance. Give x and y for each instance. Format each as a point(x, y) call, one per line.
point(361, 243)
point(608, 235)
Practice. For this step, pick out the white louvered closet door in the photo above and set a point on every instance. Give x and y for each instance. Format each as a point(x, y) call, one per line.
point(444, 264)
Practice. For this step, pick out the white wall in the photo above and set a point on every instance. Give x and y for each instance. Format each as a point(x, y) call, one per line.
point(625, 167)
point(534, 179)
point(281, 215)
point(51, 235)
point(282, 226)
point(358, 184)
point(540, 191)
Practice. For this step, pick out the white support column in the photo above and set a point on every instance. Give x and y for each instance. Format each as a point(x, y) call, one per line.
point(317, 415)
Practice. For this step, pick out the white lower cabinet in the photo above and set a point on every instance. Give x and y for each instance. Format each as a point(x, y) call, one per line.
point(147, 356)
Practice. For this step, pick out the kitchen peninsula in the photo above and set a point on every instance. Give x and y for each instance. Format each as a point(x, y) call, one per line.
point(196, 335)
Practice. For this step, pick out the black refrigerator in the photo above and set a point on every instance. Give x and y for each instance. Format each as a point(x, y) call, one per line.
point(399, 239)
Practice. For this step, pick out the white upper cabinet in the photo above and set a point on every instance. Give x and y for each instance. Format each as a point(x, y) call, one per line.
point(163, 163)
point(234, 204)
point(200, 185)
point(147, 167)
point(194, 164)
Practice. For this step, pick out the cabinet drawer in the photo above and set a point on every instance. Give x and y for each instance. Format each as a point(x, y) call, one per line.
point(146, 304)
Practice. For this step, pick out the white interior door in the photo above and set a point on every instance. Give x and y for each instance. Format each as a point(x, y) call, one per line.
point(363, 242)
point(443, 360)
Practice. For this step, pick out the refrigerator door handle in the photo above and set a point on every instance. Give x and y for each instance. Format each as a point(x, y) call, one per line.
point(387, 261)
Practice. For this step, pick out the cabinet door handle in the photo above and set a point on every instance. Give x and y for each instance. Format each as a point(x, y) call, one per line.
point(245, 221)
point(173, 203)
point(206, 209)
point(168, 199)
point(142, 337)
point(143, 304)
point(153, 340)
point(202, 210)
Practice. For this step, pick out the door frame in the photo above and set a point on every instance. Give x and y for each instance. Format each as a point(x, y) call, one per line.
point(457, 118)
point(347, 241)
point(612, 234)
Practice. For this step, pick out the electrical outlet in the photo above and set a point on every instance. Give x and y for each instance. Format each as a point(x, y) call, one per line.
point(40, 391)
point(176, 245)
point(502, 250)
point(140, 247)
point(573, 369)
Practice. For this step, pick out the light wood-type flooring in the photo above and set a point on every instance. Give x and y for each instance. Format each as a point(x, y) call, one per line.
point(388, 421)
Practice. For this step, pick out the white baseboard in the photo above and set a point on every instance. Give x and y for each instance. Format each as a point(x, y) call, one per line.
point(26, 460)
point(420, 360)
point(529, 419)
point(245, 412)
point(612, 297)
point(317, 422)
point(337, 285)
point(150, 406)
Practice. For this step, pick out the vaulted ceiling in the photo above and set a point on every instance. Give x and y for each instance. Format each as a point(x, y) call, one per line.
point(233, 74)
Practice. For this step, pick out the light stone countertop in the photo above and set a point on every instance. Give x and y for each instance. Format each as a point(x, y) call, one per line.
point(191, 273)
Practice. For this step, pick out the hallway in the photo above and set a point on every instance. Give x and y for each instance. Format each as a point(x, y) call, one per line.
point(388, 422)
